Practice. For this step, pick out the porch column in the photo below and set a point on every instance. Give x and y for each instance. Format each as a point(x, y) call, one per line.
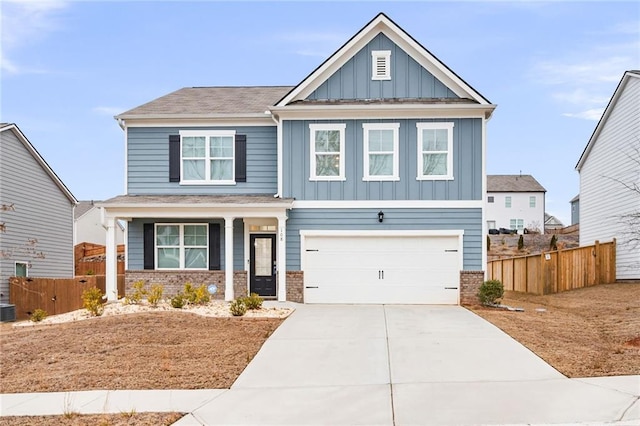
point(111, 261)
point(228, 259)
point(282, 258)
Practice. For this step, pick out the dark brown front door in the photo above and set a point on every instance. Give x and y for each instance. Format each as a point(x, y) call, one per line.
point(263, 265)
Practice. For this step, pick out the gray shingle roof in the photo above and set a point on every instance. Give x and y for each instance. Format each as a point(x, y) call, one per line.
point(168, 200)
point(513, 183)
point(207, 101)
point(82, 207)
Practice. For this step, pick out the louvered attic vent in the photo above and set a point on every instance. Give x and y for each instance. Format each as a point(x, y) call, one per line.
point(381, 65)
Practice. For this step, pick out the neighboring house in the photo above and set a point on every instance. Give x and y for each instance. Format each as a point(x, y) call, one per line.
point(88, 227)
point(575, 210)
point(515, 202)
point(36, 214)
point(552, 223)
point(363, 183)
point(609, 168)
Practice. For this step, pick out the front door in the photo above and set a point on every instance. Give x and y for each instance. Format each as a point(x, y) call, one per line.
point(262, 278)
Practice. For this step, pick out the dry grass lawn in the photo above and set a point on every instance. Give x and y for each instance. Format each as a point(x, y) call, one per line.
point(588, 332)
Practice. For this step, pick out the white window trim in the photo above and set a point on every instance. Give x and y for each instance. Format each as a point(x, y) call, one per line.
point(366, 127)
point(518, 225)
point(207, 134)
point(437, 125)
point(15, 266)
point(181, 247)
point(510, 202)
point(386, 56)
point(532, 200)
point(313, 127)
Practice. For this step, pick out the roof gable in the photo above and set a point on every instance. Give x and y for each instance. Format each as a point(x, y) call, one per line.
point(36, 155)
point(381, 24)
point(513, 183)
point(605, 115)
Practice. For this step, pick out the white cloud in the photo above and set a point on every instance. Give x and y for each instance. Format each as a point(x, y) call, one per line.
point(316, 44)
point(580, 96)
point(106, 110)
point(593, 114)
point(25, 22)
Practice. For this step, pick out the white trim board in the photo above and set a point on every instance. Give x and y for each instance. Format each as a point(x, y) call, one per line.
point(388, 204)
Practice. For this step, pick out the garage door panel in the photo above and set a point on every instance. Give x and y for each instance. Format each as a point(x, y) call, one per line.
point(387, 269)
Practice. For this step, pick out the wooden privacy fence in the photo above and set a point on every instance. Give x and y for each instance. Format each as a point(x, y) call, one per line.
point(53, 295)
point(556, 271)
point(83, 266)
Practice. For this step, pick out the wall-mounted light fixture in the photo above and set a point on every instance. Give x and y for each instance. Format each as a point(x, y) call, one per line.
point(380, 216)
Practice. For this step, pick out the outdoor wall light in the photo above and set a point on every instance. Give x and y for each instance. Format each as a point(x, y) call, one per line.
point(380, 216)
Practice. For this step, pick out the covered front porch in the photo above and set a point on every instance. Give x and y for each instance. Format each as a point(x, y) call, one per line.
point(234, 244)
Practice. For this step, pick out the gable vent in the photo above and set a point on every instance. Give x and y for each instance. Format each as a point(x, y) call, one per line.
point(381, 61)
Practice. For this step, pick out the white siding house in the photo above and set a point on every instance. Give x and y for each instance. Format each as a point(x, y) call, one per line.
point(514, 202)
point(609, 167)
point(36, 214)
point(88, 227)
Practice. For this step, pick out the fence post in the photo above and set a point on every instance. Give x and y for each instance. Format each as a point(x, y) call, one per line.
point(596, 252)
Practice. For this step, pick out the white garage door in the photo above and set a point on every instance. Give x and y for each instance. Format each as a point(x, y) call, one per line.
point(399, 269)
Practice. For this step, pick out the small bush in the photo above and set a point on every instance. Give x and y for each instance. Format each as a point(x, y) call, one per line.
point(521, 242)
point(490, 292)
point(488, 243)
point(138, 292)
point(155, 294)
point(196, 295)
point(178, 301)
point(238, 308)
point(553, 244)
point(38, 315)
point(253, 301)
point(92, 301)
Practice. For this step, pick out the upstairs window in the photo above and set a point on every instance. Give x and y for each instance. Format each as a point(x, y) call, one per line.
point(435, 151)
point(507, 202)
point(181, 246)
point(327, 151)
point(532, 201)
point(380, 142)
point(381, 65)
point(207, 157)
point(490, 199)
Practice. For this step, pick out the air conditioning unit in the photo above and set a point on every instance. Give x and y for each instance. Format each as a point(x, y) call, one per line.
point(7, 312)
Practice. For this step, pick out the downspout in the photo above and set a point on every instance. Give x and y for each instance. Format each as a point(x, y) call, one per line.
point(274, 117)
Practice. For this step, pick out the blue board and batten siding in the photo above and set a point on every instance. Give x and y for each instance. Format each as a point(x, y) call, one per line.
point(42, 214)
point(135, 241)
point(408, 78)
point(148, 162)
point(467, 165)
point(468, 220)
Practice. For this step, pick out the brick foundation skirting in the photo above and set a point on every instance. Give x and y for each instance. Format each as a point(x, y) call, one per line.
point(295, 286)
point(470, 282)
point(174, 281)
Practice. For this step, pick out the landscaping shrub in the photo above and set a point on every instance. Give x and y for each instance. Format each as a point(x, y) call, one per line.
point(38, 315)
point(490, 292)
point(488, 243)
point(553, 244)
point(178, 301)
point(196, 295)
point(92, 301)
point(155, 294)
point(253, 301)
point(138, 292)
point(521, 242)
point(238, 308)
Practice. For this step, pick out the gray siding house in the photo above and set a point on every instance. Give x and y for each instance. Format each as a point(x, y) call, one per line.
point(363, 183)
point(36, 214)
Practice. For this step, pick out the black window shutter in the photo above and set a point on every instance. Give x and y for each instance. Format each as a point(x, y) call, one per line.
point(214, 246)
point(148, 246)
point(174, 158)
point(241, 158)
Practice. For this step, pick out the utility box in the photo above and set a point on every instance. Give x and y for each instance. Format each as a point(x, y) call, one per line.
point(7, 312)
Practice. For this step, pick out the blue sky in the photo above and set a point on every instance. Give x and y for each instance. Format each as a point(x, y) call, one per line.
point(68, 67)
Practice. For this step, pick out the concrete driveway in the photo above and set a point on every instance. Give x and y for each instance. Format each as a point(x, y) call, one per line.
point(407, 365)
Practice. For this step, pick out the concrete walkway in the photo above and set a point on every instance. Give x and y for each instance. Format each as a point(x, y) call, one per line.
point(378, 365)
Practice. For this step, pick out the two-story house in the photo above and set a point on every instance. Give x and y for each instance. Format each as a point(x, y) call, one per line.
point(364, 183)
point(515, 202)
point(36, 214)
